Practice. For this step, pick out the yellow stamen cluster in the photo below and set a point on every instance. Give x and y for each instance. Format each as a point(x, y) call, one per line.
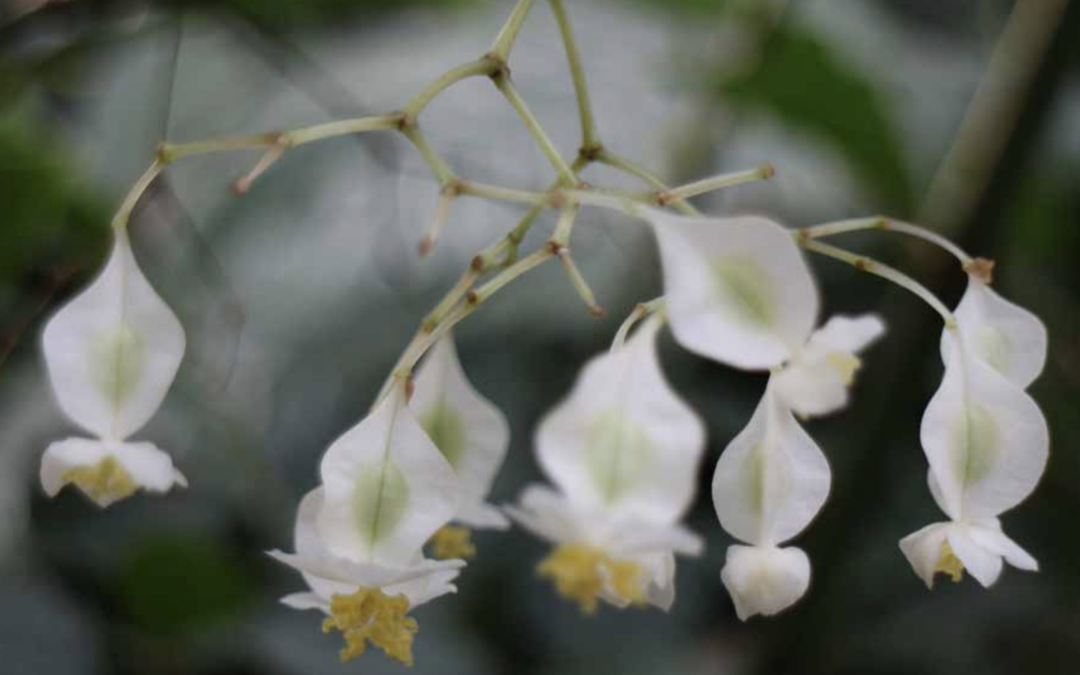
point(107, 481)
point(949, 564)
point(369, 615)
point(451, 541)
point(846, 364)
point(582, 572)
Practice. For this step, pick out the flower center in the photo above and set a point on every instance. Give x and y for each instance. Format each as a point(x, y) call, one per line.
point(846, 364)
point(949, 564)
point(581, 573)
point(107, 481)
point(369, 615)
point(452, 541)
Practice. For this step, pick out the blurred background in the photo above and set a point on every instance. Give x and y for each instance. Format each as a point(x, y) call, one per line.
point(961, 115)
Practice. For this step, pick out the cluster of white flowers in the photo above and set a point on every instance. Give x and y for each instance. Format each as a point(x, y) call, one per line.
point(622, 452)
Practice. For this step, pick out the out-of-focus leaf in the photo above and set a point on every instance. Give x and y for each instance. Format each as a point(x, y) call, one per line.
point(803, 82)
point(172, 584)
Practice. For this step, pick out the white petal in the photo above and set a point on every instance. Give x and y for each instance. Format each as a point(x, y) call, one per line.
point(738, 290)
point(988, 534)
point(387, 488)
point(623, 440)
point(1006, 336)
point(850, 334)
point(772, 479)
point(470, 431)
point(426, 588)
point(923, 550)
point(339, 576)
point(482, 516)
point(986, 440)
point(113, 351)
point(661, 589)
point(982, 563)
point(148, 467)
point(547, 514)
point(765, 580)
point(304, 601)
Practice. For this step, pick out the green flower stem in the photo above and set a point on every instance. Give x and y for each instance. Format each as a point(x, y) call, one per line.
point(432, 158)
point(542, 200)
point(640, 311)
point(456, 293)
point(589, 138)
point(882, 270)
point(665, 197)
point(485, 65)
point(493, 286)
point(581, 286)
point(888, 225)
point(123, 214)
point(567, 177)
point(633, 169)
point(504, 42)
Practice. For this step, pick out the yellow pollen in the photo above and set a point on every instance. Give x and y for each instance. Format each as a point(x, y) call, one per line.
point(106, 481)
point(846, 364)
point(369, 615)
point(451, 541)
point(949, 564)
point(581, 573)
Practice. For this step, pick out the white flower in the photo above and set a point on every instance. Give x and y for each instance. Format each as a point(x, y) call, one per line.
point(623, 451)
point(770, 482)
point(111, 354)
point(385, 490)
point(471, 433)
point(1006, 336)
point(817, 378)
point(987, 444)
point(738, 289)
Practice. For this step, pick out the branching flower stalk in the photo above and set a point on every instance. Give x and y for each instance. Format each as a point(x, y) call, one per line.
point(621, 453)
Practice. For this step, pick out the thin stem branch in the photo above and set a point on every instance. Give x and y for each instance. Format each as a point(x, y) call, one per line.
point(538, 257)
point(567, 177)
point(434, 160)
point(123, 214)
point(504, 42)
point(641, 310)
point(485, 65)
point(888, 225)
point(589, 138)
point(581, 286)
point(504, 194)
point(882, 270)
point(638, 171)
point(763, 172)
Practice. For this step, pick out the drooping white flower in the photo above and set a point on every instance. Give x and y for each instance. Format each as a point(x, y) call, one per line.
point(738, 289)
point(770, 482)
point(1009, 338)
point(471, 433)
point(385, 490)
point(817, 378)
point(623, 451)
point(111, 354)
point(987, 444)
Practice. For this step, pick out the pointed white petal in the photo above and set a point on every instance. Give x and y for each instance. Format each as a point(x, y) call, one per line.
point(772, 479)
point(467, 428)
point(546, 514)
point(387, 488)
point(816, 381)
point(623, 440)
point(304, 601)
point(661, 590)
point(988, 534)
point(765, 580)
point(482, 516)
point(986, 440)
point(113, 351)
point(982, 563)
point(426, 588)
point(147, 467)
point(738, 290)
point(923, 550)
point(1006, 336)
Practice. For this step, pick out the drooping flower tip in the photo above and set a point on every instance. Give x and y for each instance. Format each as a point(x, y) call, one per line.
point(107, 472)
point(765, 579)
point(980, 548)
point(585, 574)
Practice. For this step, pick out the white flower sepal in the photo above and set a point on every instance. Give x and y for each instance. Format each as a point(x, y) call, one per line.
point(980, 547)
point(770, 482)
point(817, 378)
point(987, 444)
point(467, 428)
point(112, 353)
point(1007, 337)
point(327, 575)
point(738, 289)
point(623, 451)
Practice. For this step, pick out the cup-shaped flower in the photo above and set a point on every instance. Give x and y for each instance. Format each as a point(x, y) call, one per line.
point(367, 602)
point(623, 451)
point(387, 487)
point(738, 289)
point(1007, 337)
point(111, 354)
point(817, 378)
point(770, 482)
point(987, 444)
point(471, 433)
